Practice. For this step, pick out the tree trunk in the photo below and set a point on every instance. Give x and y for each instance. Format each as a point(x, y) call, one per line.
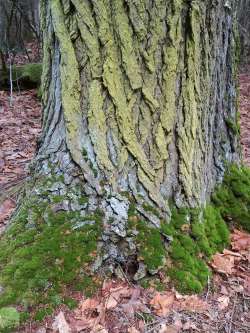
point(140, 96)
point(139, 116)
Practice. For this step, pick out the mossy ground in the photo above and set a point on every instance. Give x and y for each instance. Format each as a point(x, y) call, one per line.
point(44, 251)
point(41, 257)
point(197, 234)
point(232, 198)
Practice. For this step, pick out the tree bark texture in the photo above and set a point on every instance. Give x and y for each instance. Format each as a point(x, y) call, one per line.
point(139, 101)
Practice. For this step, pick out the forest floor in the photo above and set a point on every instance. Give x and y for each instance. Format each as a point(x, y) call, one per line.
point(120, 306)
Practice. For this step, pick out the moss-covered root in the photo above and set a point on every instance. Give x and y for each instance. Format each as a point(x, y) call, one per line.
point(232, 198)
point(195, 235)
point(45, 251)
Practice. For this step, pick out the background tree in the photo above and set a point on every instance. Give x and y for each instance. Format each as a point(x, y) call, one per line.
point(19, 23)
point(244, 29)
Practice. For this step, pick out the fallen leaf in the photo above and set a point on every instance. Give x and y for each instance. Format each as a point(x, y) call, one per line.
point(240, 240)
point(223, 302)
point(6, 209)
point(189, 326)
point(89, 304)
point(99, 329)
point(132, 330)
point(163, 303)
point(169, 329)
point(193, 303)
point(60, 324)
point(223, 263)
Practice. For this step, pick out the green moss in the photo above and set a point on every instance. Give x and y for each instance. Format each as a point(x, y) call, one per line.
point(42, 313)
point(38, 260)
point(232, 198)
point(70, 302)
point(233, 125)
point(185, 281)
point(9, 319)
point(151, 247)
point(197, 234)
point(31, 72)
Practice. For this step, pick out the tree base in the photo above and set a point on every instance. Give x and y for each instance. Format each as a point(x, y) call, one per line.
point(61, 237)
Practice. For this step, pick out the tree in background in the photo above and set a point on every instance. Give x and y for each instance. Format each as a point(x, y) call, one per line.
point(19, 23)
point(244, 29)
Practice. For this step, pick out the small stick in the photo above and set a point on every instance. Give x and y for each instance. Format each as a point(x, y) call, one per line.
point(11, 81)
point(232, 315)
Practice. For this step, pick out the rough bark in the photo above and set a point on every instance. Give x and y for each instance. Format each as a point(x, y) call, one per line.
point(139, 105)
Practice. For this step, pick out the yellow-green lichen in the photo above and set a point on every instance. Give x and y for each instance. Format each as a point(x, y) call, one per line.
point(97, 125)
point(125, 33)
point(113, 80)
point(191, 98)
point(89, 35)
point(171, 61)
point(70, 83)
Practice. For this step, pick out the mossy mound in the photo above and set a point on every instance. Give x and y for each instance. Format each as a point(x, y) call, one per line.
point(232, 198)
point(9, 319)
point(150, 246)
point(197, 234)
point(27, 76)
point(44, 252)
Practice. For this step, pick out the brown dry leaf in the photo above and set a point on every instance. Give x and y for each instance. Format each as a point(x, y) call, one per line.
point(163, 303)
point(135, 304)
point(223, 263)
point(224, 290)
point(133, 330)
point(223, 302)
point(240, 240)
point(60, 324)
point(89, 304)
point(189, 326)
point(111, 302)
point(169, 329)
point(192, 303)
point(6, 209)
point(99, 329)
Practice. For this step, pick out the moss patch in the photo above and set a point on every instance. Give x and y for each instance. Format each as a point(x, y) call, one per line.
point(151, 248)
point(232, 198)
point(40, 257)
point(197, 234)
point(9, 319)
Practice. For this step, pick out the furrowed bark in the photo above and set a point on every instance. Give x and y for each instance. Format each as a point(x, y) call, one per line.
point(139, 103)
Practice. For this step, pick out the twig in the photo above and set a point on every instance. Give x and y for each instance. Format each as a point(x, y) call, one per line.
point(232, 315)
point(208, 287)
point(11, 81)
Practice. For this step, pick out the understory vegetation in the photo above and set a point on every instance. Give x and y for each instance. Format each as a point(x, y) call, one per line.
point(45, 251)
